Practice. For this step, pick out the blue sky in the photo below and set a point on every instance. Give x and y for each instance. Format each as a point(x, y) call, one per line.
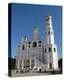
point(26, 16)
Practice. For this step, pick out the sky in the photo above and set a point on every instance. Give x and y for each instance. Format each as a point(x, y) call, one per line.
point(24, 17)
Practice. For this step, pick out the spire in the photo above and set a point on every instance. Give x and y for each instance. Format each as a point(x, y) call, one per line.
point(24, 39)
point(49, 21)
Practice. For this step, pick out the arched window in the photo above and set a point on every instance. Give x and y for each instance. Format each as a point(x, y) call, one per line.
point(34, 44)
point(40, 45)
point(48, 32)
point(29, 46)
point(29, 42)
point(39, 41)
point(50, 50)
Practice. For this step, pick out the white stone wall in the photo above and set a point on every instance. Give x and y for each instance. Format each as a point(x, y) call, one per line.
point(32, 52)
point(52, 56)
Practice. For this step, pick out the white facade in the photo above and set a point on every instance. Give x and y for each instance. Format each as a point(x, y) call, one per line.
point(51, 46)
point(36, 54)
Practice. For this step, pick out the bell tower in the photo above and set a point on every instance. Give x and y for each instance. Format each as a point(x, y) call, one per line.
point(49, 30)
point(50, 44)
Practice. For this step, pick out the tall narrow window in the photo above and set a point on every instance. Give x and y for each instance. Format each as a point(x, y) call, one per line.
point(54, 49)
point(48, 32)
point(22, 47)
point(45, 50)
point(50, 50)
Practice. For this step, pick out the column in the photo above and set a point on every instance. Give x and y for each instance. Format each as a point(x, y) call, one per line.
point(30, 63)
point(18, 65)
point(22, 63)
point(35, 61)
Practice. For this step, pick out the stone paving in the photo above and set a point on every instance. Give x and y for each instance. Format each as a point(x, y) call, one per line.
point(18, 74)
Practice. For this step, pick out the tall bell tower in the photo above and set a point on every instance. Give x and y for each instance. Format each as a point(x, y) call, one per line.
point(49, 30)
point(51, 46)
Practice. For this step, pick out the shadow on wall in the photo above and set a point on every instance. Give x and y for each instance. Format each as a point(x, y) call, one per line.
point(60, 64)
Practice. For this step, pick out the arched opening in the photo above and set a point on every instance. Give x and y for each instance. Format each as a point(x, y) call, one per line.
point(34, 44)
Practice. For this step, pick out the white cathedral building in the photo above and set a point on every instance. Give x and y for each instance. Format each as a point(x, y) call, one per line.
point(37, 54)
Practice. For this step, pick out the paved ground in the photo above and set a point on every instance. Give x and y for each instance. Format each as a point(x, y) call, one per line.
point(31, 74)
point(28, 74)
